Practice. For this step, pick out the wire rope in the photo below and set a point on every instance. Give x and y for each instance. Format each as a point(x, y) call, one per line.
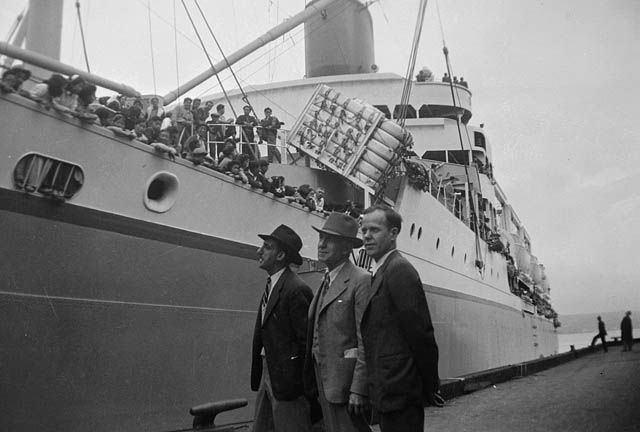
point(195, 29)
point(175, 45)
point(84, 44)
point(408, 82)
point(153, 63)
point(470, 201)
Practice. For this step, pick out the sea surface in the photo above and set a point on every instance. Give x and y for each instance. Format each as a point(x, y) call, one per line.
point(581, 340)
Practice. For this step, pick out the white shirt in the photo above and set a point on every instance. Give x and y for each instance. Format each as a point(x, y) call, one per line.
point(380, 262)
point(274, 280)
point(333, 274)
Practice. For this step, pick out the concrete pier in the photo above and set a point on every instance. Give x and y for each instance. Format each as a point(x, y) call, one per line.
point(595, 392)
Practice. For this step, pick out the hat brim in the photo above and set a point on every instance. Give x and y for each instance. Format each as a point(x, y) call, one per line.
point(293, 255)
point(357, 242)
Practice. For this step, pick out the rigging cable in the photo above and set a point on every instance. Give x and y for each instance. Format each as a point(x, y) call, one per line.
point(408, 83)
point(16, 24)
point(84, 45)
point(175, 45)
point(343, 7)
point(470, 201)
point(5, 61)
point(153, 63)
point(204, 48)
point(245, 98)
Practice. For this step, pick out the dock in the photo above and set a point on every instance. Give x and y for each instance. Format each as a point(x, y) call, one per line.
point(595, 391)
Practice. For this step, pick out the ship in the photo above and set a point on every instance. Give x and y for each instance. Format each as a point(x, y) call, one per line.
point(129, 280)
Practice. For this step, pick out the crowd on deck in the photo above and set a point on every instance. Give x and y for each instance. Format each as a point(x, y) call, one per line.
point(193, 131)
point(425, 75)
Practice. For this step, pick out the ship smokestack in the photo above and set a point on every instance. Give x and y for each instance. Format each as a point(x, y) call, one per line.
point(339, 40)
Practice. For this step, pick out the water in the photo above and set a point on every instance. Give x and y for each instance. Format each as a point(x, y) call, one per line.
point(581, 340)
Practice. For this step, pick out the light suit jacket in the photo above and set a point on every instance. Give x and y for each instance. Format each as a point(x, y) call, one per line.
point(341, 352)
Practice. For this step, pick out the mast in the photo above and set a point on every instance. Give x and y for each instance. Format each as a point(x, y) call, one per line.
point(261, 41)
point(44, 26)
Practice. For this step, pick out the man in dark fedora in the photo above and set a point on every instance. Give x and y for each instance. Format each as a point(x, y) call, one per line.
point(279, 337)
point(335, 370)
point(397, 332)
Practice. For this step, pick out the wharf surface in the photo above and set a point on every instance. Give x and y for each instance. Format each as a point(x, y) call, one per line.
point(595, 392)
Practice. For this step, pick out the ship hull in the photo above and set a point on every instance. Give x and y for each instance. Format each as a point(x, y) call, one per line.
point(104, 329)
point(110, 331)
point(117, 317)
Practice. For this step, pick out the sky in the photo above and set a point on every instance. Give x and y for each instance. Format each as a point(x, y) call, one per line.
point(556, 84)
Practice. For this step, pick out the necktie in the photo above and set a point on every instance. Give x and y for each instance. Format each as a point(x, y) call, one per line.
point(265, 297)
point(326, 281)
point(324, 287)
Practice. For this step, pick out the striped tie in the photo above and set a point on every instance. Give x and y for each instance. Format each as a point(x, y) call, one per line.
point(265, 297)
point(324, 287)
point(326, 281)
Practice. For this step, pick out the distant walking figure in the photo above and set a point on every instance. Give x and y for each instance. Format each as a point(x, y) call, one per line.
point(626, 331)
point(602, 332)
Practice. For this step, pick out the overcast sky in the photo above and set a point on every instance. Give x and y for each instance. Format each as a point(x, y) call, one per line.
point(554, 82)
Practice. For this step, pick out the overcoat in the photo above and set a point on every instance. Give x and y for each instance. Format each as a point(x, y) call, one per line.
point(283, 336)
point(400, 348)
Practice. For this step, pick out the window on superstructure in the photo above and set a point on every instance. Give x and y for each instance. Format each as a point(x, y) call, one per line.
point(410, 113)
point(435, 155)
point(425, 111)
point(385, 110)
point(479, 140)
point(38, 173)
point(460, 157)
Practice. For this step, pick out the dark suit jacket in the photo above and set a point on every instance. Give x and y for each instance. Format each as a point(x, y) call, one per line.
point(341, 353)
point(400, 347)
point(283, 336)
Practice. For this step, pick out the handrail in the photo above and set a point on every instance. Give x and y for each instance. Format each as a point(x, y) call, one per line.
point(48, 63)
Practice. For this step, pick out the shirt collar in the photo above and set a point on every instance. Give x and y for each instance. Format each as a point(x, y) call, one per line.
point(380, 262)
point(275, 278)
point(333, 274)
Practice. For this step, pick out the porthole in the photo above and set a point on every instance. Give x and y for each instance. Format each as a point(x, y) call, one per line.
point(413, 228)
point(55, 178)
point(161, 192)
point(491, 271)
point(419, 233)
point(438, 243)
point(453, 250)
point(465, 258)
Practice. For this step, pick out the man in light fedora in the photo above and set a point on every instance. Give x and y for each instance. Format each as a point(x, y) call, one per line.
point(280, 336)
point(335, 370)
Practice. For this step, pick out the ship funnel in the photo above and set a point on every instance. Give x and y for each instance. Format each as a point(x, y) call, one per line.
point(339, 40)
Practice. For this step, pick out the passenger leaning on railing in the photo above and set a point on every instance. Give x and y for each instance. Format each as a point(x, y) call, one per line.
point(13, 79)
point(197, 140)
point(153, 129)
point(229, 153)
point(139, 129)
point(48, 92)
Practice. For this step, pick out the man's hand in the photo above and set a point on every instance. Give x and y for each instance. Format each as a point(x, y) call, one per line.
point(435, 399)
point(357, 404)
